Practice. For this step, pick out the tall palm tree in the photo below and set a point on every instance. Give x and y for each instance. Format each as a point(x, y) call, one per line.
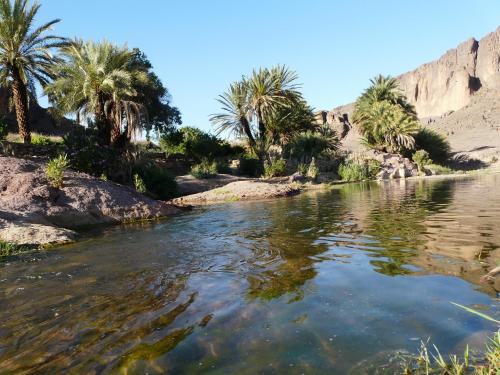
point(98, 80)
point(270, 89)
point(25, 55)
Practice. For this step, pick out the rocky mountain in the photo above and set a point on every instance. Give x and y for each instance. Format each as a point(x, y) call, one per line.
point(458, 95)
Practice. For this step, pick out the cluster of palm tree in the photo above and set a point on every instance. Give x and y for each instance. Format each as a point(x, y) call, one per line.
point(266, 108)
point(386, 119)
point(111, 86)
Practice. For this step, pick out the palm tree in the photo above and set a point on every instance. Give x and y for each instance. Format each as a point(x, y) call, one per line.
point(388, 127)
point(98, 80)
point(385, 117)
point(25, 55)
point(251, 103)
point(270, 89)
point(234, 118)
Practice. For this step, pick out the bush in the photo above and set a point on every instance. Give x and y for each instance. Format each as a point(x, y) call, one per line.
point(55, 171)
point(159, 183)
point(250, 166)
point(434, 143)
point(139, 184)
point(302, 169)
point(196, 144)
point(440, 169)
point(274, 168)
point(312, 170)
point(86, 154)
point(41, 140)
point(205, 169)
point(421, 158)
point(3, 130)
point(7, 249)
point(358, 171)
point(308, 145)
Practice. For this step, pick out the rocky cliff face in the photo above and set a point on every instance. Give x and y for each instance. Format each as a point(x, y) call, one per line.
point(449, 83)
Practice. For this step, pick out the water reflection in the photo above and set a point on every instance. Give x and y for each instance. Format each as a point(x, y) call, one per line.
point(313, 284)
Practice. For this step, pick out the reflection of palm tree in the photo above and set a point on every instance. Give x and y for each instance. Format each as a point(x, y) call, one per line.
point(291, 260)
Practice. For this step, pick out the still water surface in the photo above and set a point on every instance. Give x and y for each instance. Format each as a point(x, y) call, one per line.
point(325, 282)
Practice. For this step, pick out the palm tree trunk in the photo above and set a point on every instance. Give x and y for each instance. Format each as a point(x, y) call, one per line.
point(248, 131)
point(20, 94)
point(102, 122)
point(115, 125)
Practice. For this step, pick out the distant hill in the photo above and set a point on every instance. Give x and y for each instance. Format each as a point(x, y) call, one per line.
point(458, 95)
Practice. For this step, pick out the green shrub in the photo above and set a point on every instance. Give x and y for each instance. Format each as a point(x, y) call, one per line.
point(87, 154)
point(312, 170)
point(139, 184)
point(3, 130)
point(196, 144)
point(250, 166)
point(358, 171)
point(223, 167)
point(434, 143)
point(421, 158)
point(55, 171)
point(7, 248)
point(159, 183)
point(42, 140)
point(205, 169)
point(305, 146)
point(440, 169)
point(274, 168)
point(302, 169)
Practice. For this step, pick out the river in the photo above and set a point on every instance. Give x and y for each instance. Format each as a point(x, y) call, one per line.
point(334, 281)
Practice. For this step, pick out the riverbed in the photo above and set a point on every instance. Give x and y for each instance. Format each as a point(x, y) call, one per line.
point(332, 281)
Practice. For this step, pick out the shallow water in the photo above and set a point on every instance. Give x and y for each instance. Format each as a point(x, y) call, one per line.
point(325, 282)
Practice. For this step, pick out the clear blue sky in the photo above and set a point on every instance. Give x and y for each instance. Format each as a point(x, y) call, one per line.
point(199, 47)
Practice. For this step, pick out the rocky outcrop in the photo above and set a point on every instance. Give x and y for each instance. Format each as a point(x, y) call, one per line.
point(32, 212)
point(240, 191)
point(449, 83)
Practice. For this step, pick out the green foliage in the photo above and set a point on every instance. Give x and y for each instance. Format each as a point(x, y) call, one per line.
point(287, 121)
point(7, 249)
point(421, 158)
point(274, 168)
point(99, 79)
point(250, 166)
point(261, 107)
point(434, 143)
point(55, 170)
point(139, 184)
point(355, 170)
point(205, 169)
point(196, 144)
point(312, 170)
point(302, 169)
point(87, 154)
point(308, 145)
point(3, 130)
point(26, 54)
point(386, 119)
point(159, 183)
point(162, 116)
point(440, 169)
point(41, 140)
